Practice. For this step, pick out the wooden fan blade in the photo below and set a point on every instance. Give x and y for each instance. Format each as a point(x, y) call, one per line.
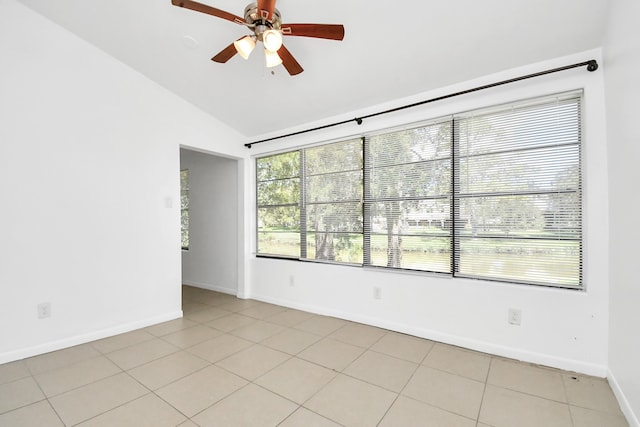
point(266, 8)
point(199, 7)
point(289, 62)
point(225, 54)
point(321, 31)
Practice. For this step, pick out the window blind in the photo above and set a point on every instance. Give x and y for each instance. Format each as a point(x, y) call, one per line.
point(490, 194)
point(408, 198)
point(517, 185)
point(278, 204)
point(332, 207)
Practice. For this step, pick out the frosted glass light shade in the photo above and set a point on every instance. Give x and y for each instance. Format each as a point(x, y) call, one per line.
point(272, 58)
point(245, 46)
point(272, 40)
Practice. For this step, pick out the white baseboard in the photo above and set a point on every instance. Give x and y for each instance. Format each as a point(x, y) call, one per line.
point(485, 347)
point(47, 347)
point(211, 287)
point(626, 408)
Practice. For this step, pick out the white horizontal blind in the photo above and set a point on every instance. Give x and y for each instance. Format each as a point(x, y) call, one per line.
point(517, 184)
point(408, 199)
point(278, 203)
point(332, 202)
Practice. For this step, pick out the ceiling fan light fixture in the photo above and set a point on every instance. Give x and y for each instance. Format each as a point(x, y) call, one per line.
point(245, 46)
point(272, 58)
point(272, 40)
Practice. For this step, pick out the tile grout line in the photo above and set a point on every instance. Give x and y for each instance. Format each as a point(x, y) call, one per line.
point(405, 385)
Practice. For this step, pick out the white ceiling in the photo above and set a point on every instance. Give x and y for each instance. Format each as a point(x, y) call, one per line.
point(390, 50)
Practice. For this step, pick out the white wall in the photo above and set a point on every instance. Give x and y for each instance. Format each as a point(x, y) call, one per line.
point(212, 259)
point(561, 328)
point(89, 160)
point(622, 59)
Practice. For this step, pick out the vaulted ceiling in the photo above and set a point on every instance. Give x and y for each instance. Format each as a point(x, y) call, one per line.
point(390, 50)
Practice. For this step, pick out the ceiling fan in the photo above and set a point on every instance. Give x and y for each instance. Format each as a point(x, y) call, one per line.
point(266, 23)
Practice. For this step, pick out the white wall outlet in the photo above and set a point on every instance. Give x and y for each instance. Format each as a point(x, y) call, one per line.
point(44, 310)
point(515, 316)
point(292, 281)
point(377, 293)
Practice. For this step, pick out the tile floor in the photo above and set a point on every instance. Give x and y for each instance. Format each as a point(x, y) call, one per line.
point(232, 362)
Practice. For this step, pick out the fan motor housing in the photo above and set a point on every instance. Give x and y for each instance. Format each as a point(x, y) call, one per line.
point(259, 23)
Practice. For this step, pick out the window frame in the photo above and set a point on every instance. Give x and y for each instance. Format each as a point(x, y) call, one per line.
point(453, 197)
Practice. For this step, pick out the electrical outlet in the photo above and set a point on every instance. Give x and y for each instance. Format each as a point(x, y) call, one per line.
point(515, 316)
point(44, 310)
point(377, 293)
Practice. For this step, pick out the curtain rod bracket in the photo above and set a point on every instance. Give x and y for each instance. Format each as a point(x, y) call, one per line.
point(592, 65)
point(358, 120)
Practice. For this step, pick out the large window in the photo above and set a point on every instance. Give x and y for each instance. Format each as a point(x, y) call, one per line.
point(491, 194)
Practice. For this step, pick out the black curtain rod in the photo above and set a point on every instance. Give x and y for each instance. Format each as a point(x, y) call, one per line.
point(592, 65)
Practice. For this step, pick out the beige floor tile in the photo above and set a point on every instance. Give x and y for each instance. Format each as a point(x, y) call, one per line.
point(382, 370)
point(231, 322)
point(262, 310)
point(351, 402)
point(12, 371)
point(407, 412)
point(93, 399)
point(357, 334)
point(34, 415)
point(459, 361)
point(257, 331)
point(191, 336)
point(253, 362)
point(169, 327)
point(321, 325)
point(207, 315)
point(403, 346)
point(331, 354)
point(216, 298)
point(147, 411)
point(583, 417)
point(167, 369)
point(507, 408)
point(191, 307)
point(296, 379)
point(139, 354)
point(239, 304)
point(591, 393)
point(290, 317)
point(292, 357)
point(219, 348)
point(527, 378)
point(61, 358)
point(291, 341)
point(19, 393)
point(306, 418)
point(251, 406)
point(118, 342)
point(447, 391)
point(74, 376)
point(196, 392)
